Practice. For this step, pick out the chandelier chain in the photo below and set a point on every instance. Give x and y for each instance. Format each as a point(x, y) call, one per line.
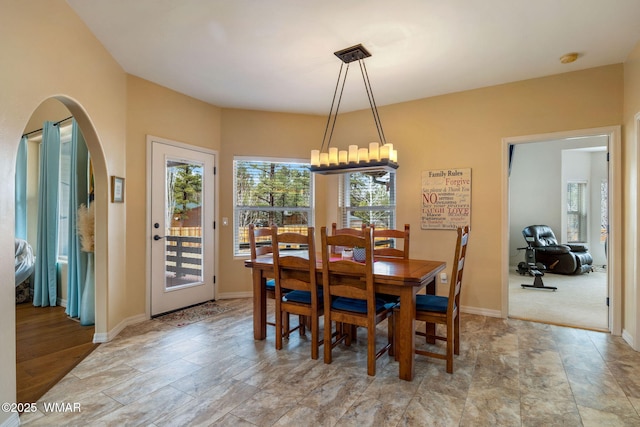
point(331, 114)
point(372, 101)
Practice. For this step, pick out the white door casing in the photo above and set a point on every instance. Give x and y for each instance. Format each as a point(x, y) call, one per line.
point(181, 242)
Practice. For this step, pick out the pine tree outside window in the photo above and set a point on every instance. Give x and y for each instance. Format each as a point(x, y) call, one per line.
point(270, 191)
point(368, 198)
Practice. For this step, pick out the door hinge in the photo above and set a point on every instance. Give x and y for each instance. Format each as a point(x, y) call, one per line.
point(215, 170)
point(607, 301)
point(607, 156)
point(214, 225)
point(214, 280)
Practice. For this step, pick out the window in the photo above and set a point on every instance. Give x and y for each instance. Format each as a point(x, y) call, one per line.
point(604, 212)
point(368, 198)
point(270, 192)
point(63, 192)
point(576, 212)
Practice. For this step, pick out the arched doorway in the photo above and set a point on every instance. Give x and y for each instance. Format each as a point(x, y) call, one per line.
point(56, 109)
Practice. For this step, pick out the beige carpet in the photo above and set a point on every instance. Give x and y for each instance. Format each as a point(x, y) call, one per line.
point(580, 301)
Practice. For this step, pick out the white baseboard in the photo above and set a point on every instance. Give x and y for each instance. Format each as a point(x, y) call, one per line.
point(628, 338)
point(12, 421)
point(232, 295)
point(62, 302)
point(106, 337)
point(463, 309)
point(481, 311)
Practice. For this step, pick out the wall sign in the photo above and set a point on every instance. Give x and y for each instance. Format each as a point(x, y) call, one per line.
point(446, 198)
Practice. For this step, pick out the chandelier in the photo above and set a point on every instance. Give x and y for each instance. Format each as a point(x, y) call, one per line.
point(377, 155)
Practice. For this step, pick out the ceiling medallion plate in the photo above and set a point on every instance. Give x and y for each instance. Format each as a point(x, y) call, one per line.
point(352, 53)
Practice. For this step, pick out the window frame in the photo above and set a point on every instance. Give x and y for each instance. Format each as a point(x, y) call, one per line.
point(345, 200)
point(310, 210)
point(64, 182)
point(581, 213)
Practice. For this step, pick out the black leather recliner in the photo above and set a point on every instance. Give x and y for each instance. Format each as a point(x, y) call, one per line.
point(557, 258)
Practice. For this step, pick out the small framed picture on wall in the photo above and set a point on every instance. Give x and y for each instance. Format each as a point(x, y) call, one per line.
point(117, 189)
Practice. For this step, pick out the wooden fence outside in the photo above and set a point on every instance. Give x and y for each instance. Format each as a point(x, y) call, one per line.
point(184, 251)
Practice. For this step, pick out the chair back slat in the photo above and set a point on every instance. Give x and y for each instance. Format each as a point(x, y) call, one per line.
point(295, 269)
point(259, 235)
point(344, 277)
point(335, 231)
point(349, 231)
point(394, 252)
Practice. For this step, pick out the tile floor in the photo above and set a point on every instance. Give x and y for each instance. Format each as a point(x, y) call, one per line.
point(509, 373)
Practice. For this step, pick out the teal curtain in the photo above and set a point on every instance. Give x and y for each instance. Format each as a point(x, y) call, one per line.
point(21, 190)
point(45, 290)
point(78, 195)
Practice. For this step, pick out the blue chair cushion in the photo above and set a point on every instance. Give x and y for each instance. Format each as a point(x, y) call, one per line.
point(303, 297)
point(431, 303)
point(359, 305)
point(271, 285)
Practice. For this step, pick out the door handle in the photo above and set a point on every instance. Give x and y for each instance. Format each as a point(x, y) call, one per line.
point(156, 237)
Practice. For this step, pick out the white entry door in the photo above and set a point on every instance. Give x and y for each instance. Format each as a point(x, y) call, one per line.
point(182, 226)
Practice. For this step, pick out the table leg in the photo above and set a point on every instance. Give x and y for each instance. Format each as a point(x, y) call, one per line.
point(405, 334)
point(259, 305)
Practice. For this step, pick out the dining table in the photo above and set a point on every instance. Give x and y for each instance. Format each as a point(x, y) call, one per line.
point(404, 278)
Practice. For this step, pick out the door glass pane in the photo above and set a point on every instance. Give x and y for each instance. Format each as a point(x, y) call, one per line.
point(183, 213)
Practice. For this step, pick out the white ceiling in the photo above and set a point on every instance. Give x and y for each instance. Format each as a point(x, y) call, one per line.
point(277, 55)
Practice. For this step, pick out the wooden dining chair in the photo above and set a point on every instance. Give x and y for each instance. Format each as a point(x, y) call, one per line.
point(341, 231)
point(349, 296)
point(445, 310)
point(295, 272)
point(395, 251)
point(260, 244)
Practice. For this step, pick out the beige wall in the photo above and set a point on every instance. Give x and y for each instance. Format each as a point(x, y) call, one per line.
point(461, 130)
point(264, 134)
point(465, 130)
point(161, 112)
point(630, 196)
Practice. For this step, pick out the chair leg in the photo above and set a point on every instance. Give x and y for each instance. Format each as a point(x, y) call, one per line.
point(327, 338)
point(346, 330)
point(285, 324)
point(450, 347)
point(353, 332)
point(430, 332)
point(371, 351)
point(391, 326)
point(280, 326)
point(456, 334)
point(303, 322)
point(315, 331)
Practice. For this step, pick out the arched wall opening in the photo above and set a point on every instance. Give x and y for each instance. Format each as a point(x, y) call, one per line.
point(101, 188)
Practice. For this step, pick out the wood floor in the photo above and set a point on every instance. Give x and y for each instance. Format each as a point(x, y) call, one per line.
point(48, 346)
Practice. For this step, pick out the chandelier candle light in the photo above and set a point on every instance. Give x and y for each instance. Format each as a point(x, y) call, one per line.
point(378, 155)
